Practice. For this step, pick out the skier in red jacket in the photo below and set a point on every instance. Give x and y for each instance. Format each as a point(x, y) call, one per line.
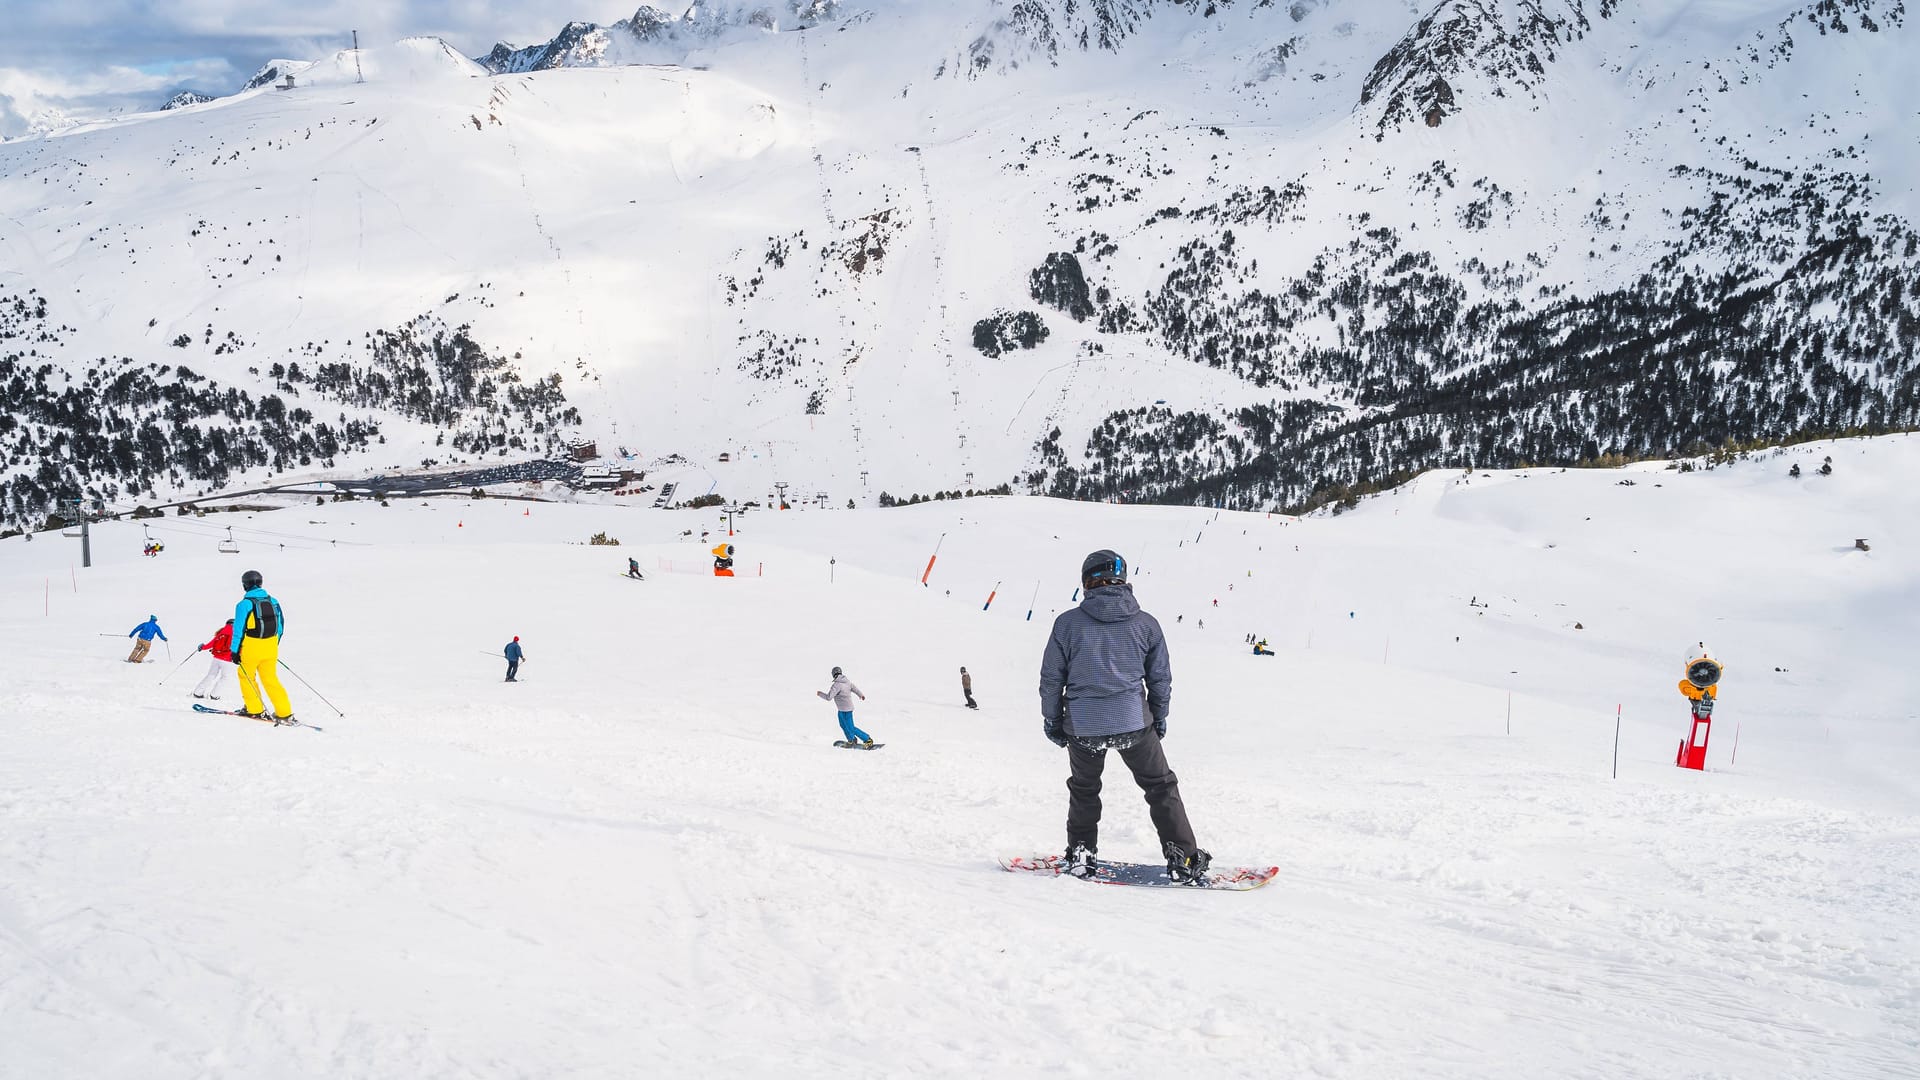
point(222, 648)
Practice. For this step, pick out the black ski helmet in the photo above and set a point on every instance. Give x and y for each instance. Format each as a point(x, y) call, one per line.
point(1103, 567)
point(836, 673)
point(251, 580)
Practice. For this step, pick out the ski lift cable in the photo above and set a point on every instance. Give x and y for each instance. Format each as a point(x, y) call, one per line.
point(310, 545)
point(196, 528)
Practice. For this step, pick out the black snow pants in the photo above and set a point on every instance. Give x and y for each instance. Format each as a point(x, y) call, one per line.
point(1148, 764)
point(513, 668)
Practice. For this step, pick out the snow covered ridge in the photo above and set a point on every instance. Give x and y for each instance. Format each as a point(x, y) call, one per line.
point(185, 98)
point(1503, 47)
point(1171, 254)
point(651, 35)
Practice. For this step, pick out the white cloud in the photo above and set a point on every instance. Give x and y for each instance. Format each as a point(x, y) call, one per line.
point(13, 122)
point(102, 57)
point(43, 98)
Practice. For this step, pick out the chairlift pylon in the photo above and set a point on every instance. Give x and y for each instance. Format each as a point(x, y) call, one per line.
point(229, 546)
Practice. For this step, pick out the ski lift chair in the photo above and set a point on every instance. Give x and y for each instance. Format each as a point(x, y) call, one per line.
point(71, 530)
point(228, 546)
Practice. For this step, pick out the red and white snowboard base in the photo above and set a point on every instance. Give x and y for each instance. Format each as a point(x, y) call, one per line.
point(1228, 878)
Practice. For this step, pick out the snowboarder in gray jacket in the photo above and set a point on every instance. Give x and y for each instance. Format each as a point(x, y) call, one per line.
point(1105, 684)
point(842, 693)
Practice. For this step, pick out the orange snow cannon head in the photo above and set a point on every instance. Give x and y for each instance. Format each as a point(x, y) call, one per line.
point(1703, 670)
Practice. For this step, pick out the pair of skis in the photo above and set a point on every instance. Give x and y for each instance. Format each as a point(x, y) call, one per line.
point(199, 708)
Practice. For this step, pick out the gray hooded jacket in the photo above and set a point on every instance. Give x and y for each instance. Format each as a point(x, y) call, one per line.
point(842, 693)
point(1097, 657)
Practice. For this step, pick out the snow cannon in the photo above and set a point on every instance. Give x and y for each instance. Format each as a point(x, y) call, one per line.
point(723, 560)
point(1701, 687)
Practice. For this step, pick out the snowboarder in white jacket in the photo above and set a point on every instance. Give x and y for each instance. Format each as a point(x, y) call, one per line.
point(842, 693)
point(1099, 658)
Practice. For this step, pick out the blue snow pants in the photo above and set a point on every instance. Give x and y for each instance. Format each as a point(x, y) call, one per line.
point(852, 733)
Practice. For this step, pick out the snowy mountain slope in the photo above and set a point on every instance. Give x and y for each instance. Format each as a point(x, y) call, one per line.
point(647, 859)
point(1634, 231)
point(653, 36)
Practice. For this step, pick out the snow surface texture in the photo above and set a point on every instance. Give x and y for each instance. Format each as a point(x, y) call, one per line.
point(779, 245)
point(648, 860)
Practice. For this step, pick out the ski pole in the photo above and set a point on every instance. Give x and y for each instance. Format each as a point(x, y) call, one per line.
point(176, 671)
point(169, 646)
point(309, 686)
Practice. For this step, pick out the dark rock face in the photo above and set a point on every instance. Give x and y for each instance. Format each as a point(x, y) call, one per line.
point(1469, 42)
point(185, 98)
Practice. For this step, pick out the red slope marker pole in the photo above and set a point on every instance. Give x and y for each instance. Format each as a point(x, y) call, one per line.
point(991, 593)
point(930, 559)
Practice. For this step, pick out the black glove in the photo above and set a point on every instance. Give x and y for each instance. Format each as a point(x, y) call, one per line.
point(1160, 728)
point(1056, 733)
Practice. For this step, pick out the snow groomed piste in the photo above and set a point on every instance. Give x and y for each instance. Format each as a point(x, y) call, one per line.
point(653, 854)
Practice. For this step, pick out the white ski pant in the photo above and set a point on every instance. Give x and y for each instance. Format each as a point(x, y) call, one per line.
point(210, 682)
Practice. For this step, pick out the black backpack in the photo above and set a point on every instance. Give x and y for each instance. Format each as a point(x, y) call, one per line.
point(266, 618)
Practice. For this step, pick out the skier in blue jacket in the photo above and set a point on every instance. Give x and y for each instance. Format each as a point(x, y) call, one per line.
point(148, 631)
point(1099, 657)
point(515, 654)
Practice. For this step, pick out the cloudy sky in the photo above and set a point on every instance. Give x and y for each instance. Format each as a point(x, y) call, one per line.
point(85, 58)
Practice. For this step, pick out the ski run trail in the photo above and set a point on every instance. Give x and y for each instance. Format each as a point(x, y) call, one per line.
point(648, 859)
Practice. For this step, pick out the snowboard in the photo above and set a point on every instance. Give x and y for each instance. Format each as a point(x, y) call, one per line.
point(1151, 875)
point(199, 708)
point(845, 745)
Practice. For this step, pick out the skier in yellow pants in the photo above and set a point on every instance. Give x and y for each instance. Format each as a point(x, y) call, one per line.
point(258, 625)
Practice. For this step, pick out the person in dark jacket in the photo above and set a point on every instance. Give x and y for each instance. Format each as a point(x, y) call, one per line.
point(1098, 658)
point(966, 689)
point(515, 654)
